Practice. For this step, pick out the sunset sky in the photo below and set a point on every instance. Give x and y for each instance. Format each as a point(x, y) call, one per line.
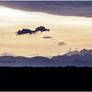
point(70, 25)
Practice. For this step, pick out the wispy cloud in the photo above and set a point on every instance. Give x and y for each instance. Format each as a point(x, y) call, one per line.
point(61, 43)
point(47, 37)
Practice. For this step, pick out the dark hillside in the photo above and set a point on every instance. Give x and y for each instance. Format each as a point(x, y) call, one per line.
point(44, 78)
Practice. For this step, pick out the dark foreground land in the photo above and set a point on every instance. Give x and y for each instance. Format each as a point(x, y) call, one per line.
point(53, 78)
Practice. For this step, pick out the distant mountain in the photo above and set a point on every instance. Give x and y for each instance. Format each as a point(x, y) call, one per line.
point(40, 61)
point(24, 61)
point(74, 58)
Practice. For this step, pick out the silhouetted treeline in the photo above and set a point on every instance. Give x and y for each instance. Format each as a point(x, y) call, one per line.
point(45, 78)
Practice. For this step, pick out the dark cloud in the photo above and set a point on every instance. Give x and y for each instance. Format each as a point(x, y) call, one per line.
point(28, 31)
point(41, 29)
point(24, 31)
point(61, 43)
point(66, 8)
point(47, 37)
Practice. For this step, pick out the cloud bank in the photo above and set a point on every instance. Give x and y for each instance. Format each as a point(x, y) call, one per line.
point(66, 8)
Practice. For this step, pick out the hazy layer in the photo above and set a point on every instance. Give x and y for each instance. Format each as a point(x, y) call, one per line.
point(74, 31)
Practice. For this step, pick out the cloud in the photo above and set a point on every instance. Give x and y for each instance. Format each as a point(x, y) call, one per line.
point(69, 8)
point(28, 31)
point(47, 37)
point(61, 43)
point(41, 29)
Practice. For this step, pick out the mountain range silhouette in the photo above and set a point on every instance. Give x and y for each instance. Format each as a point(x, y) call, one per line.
point(72, 58)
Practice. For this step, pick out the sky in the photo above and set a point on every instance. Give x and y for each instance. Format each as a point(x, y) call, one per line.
point(70, 25)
